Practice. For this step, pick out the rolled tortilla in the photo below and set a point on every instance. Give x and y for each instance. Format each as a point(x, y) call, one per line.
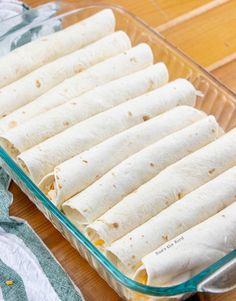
point(31, 56)
point(98, 160)
point(48, 76)
point(101, 127)
point(191, 210)
point(133, 60)
point(80, 209)
point(137, 170)
point(54, 121)
point(191, 252)
point(41, 159)
point(173, 183)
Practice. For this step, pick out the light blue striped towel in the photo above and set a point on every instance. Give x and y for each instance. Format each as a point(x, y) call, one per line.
point(28, 271)
point(20, 25)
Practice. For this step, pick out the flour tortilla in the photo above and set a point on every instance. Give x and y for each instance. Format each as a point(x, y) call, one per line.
point(175, 93)
point(79, 209)
point(191, 210)
point(137, 170)
point(31, 56)
point(48, 76)
point(54, 121)
point(175, 182)
point(135, 59)
point(129, 175)
point(190, 252)
point(74, 175)
point(43, 158)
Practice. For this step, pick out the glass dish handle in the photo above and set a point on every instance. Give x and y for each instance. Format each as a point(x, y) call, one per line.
point(222, 280)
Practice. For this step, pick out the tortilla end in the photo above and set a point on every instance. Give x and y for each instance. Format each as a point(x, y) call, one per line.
point(75, 216)
point(95, 238)
point(125, 267)
point(46, 182)
point(9, 147)
point(48, 186)
point(110, 15)
point(141, 275)
point(23, 166)
point(116, 261)
point(26, 169)
point(113, 258)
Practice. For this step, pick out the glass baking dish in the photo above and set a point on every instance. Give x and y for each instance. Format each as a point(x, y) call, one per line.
point(216, 100)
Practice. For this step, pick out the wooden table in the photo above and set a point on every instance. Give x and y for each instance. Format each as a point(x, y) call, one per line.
point(206, 31)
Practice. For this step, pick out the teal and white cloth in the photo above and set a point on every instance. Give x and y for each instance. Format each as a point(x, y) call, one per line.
point(20, 25)
point(28, 271)
point(11, 8)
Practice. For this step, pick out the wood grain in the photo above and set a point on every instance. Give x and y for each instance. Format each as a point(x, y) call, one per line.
point(157, 12)
point(208, 36)
point(227, 74)
point(191, 14)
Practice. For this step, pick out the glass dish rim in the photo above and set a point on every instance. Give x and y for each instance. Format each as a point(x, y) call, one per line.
point(189, 286)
